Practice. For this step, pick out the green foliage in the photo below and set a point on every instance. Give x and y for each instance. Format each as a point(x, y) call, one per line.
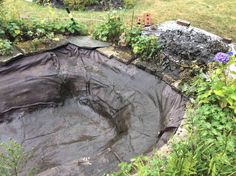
point(214, 141)
point(219, 86)
point(129, 3)
point(141, 165)
point(79, 4)
point(15, 29)
point(130, 36)
point(22, 30)
point(82, 4)
point(11, 157)
point(2, 15)
point(109, 30)
point(5, 47)
point(146, 47)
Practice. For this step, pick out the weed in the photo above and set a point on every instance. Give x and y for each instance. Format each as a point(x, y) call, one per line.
point(5, 47)
point(11, 157)
point(109, 30)
point(147, 48)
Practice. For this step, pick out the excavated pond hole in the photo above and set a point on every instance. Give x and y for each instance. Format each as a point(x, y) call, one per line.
point(79, 113)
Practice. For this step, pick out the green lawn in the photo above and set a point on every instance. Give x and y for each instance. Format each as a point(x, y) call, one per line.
point(216, 16)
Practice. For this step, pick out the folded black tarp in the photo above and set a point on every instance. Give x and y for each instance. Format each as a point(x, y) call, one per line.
point(80, 113)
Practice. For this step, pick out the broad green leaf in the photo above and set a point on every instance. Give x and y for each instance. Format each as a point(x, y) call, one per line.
point(219, 93)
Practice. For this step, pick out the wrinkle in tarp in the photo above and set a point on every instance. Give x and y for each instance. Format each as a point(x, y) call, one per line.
point(80, 113)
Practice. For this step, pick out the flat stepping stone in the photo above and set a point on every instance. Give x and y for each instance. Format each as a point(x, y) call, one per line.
point(87, 42)
point(121, 55)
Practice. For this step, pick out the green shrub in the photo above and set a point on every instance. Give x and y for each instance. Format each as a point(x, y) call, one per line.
point(217, 87)
point(14, 29)
point(5, 47)
point(18, 30)
point(11, 158)
point(22, 30)
point(213, 141)
point(109, 30)
point(82, 4)
point(2, 15)
point(146, 47)
point(130, 36)
point(73, 4)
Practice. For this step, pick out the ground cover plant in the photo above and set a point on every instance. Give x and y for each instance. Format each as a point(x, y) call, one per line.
point(110, 30)
point(5, 47)
point(11, 158)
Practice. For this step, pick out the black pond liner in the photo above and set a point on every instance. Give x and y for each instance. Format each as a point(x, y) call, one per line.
point(80, 113)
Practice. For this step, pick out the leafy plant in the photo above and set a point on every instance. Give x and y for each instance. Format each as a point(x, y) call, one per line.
point(146, 47)
point(129, 3)
point(14, 29)
point(22, 30)
point(219, 86)
point(109, 30)
point(80, 4)
point(130, 36)
point(83, 4)
point(5, 47)
point(11, 157)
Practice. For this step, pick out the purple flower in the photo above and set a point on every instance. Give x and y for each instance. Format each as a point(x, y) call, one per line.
point(222, 58)
point(231, 53)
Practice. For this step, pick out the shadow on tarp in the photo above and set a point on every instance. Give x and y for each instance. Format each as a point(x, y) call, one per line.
point(80, 113)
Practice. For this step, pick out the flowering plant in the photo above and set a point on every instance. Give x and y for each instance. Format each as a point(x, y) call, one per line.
point(222, 58)
point(220, 87)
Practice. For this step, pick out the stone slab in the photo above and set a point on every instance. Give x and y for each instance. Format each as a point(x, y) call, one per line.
point(87, 42)
point(121, 55)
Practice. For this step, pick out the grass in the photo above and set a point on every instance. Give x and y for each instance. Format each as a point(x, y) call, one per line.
point(215, 16)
